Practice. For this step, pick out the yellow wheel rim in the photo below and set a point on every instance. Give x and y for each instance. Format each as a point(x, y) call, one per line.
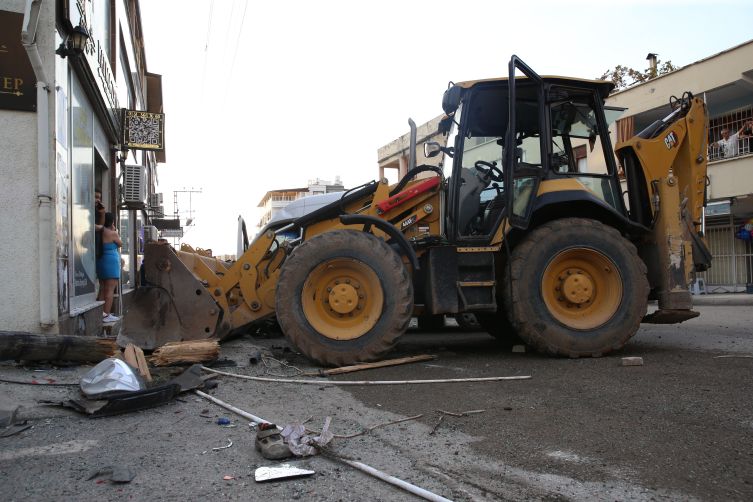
point(342, 298)
point(582, 288)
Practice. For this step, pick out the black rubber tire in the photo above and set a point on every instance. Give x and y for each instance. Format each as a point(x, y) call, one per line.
point(430, 322)
point(497, 325)
point(528, 312)
point(396, 287)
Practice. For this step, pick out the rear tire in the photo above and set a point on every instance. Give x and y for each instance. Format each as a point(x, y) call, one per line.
point(578, 288)
point(344, 297)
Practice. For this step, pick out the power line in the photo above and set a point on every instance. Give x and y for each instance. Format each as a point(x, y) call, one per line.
point(238, 39)
point(206, 51)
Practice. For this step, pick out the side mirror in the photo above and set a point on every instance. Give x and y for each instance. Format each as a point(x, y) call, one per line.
point(432, 149)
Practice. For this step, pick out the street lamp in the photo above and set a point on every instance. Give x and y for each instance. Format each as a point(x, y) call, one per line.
point(74, 42)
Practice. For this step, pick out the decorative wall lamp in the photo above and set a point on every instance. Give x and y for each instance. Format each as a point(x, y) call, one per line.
point(74, 42)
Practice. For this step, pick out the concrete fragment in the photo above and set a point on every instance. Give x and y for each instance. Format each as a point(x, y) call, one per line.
point(632, 361)
point(8, 410)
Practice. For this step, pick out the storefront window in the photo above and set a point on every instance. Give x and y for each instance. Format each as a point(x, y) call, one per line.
point(83, 289)
point(126, 277)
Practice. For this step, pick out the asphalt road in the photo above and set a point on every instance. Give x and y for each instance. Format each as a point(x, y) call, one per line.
point(680, 427)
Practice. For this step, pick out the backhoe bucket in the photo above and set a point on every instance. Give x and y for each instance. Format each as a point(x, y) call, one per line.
point(172, 305)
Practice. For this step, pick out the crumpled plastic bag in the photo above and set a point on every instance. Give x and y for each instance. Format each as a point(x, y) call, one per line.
point(109, 378)
point(302, 444)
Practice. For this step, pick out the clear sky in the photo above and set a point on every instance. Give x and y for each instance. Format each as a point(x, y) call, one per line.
point(266, 95)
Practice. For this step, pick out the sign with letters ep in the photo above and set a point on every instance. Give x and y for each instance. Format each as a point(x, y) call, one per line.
point(143, 130)
point(17, 81)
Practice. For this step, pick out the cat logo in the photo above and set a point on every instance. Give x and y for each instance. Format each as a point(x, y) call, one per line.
point(670, 140)
point(410, 221)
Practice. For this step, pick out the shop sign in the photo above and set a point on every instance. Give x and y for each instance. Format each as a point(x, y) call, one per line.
point(17, 81)
point(79, 12)
point(143, 130)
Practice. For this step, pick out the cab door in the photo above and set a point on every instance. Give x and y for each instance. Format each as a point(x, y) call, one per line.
point(525, 142)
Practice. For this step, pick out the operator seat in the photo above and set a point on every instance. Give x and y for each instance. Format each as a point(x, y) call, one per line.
point(469, 200)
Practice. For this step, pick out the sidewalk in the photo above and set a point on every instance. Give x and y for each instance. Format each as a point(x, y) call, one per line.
point(727, 299)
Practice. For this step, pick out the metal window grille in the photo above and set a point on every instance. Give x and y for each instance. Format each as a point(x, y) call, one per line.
point(733, 121)
point(732, 267)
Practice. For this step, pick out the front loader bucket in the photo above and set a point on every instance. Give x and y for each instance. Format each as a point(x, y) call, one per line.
point(173, 305)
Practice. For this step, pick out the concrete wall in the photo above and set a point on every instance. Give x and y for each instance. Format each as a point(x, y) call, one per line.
point(394, 155)
point(731, 178)
point(19, 190)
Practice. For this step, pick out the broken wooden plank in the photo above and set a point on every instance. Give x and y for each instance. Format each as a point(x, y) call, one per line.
point(368, 366)
point(134, 356)
point(192, 351)
point(42, 347)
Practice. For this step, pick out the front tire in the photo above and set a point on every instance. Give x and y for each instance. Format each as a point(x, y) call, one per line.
point(578, 288)
point(344, 297)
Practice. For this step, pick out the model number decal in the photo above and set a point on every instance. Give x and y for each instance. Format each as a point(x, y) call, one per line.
point(410, 221)
point(670, 140)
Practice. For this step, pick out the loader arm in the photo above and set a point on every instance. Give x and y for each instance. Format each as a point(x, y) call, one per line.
point(189, 296)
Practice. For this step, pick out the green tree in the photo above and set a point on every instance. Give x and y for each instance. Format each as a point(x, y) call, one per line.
point(623, 76)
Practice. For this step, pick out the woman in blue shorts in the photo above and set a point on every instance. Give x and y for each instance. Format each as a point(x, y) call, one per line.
point(108, 266)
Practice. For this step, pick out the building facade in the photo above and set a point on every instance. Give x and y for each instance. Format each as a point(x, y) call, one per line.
point(78, 64)
point(725, 81)
point(274, 200)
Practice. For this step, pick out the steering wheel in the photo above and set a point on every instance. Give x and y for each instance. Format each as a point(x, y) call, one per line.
point(489, 170)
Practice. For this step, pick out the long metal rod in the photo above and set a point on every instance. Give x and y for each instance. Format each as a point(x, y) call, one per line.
point(365, 382)
point(232, 408)
point(415, 490)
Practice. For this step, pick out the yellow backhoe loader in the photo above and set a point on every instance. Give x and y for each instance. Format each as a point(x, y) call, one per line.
point(532, 222)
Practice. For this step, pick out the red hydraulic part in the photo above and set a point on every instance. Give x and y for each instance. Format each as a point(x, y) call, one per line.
point(406, 195)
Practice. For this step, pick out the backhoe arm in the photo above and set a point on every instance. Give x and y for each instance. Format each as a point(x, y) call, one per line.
point(666, 168)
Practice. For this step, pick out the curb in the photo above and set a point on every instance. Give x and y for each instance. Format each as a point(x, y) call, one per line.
point(738, 300)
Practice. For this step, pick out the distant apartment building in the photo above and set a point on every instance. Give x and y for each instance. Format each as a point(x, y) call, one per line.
point(274, 200)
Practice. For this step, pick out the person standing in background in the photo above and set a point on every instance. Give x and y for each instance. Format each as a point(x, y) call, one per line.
point(99, 208)
point(108, 267)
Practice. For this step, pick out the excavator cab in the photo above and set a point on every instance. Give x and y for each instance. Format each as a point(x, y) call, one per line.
point(517, 132)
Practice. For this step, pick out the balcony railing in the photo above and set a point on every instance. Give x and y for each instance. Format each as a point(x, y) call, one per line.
point(738, 127)
point(736, 148)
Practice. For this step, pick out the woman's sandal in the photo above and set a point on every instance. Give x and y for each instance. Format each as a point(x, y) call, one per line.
point(270, 444)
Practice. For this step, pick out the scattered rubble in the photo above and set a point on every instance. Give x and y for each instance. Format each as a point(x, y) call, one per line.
point(116, 474)
point(632, 361)
point(190, 352)
point(282, 471)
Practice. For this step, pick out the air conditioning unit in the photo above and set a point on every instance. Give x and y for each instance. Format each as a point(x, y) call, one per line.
point(158, 212)
point(150, 233)
point(155, 200)
point(134, 184)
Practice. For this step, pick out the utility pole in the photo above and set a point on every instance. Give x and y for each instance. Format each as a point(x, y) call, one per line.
point(176, 213)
